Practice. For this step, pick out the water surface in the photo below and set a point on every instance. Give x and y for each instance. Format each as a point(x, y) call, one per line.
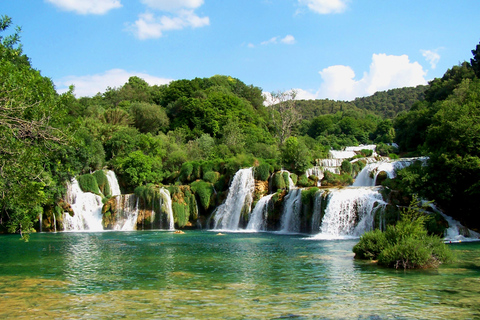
point(202, 275)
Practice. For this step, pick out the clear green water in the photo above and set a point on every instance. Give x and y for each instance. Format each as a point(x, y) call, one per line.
point(202, 275)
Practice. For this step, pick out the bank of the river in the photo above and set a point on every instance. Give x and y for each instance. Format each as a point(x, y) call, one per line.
point(199, 274)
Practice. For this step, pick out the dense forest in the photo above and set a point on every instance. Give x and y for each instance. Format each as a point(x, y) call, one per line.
point(199, 132)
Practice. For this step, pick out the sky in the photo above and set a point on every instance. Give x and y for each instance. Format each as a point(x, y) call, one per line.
point(335, 49)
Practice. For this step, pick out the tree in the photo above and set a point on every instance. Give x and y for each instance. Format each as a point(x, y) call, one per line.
point(149, 117)
point(284, 113)
point(475, 61)
point(29, 106)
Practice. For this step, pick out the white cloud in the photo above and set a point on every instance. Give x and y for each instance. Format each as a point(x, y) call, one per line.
point(87, 6)
point(149, 26)
point(289, 39)
point(90, 85)
point(386, 72)
point(172, 6)
point(325, 6)
point(431, 56)
point(180, 15)
point(269, 41)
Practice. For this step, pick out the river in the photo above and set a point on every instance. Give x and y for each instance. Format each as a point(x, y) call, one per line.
point(204, 275)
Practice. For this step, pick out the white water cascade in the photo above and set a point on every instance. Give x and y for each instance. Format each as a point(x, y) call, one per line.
point(113, 182)
point(127, 213)
point(258, 217)
point(292, 208)
point(87, 208)
point(368, 176)
point(239, 200)
point(166, 206)
point(350, 212)
point(317, 210)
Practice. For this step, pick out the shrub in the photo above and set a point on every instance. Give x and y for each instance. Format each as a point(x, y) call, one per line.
point(308, 195)
point(102, 182)
point(204, 191)
point(405, 245)
point(186, 171)
point(366, 152)
point(262, 172)
point(279, 181)
point(303, 181)
point(180, 214)
point(211, 176)
point(346, 167)
point(88, 183)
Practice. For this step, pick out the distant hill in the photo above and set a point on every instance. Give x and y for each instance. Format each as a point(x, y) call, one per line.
point(386, 104)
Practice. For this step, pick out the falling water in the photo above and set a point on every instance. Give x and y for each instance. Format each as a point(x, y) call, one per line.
point(258, 218)
point(316, 171)
point(317, 210)
point(239, 200)
point(127, 213)
point(350, 212)
point(292, 207)
point(87, 208)
point(368, 176)
point(166, 205)
point(113, 182)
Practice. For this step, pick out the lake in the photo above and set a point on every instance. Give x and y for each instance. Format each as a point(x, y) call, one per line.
point(203, 275)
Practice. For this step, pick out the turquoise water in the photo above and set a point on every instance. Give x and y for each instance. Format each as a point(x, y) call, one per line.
point(203, 275)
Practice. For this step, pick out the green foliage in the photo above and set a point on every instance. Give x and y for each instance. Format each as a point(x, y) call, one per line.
point(180, 212)
point(308, 195)
point(262, 172)
point(332, 179)
point(211, 176)
point(88, 183)
point(102, 182)
point(137, 168)
point(279, 181)
point(204, 192)
point(295, 155)
point(405, 245)
point(346, 167)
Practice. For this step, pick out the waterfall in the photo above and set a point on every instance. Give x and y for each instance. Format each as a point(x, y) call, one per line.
point(292, 207)
point(259, 215)
point(316, 171)
point(40, 218)
point(54, 223)
point(317, 210)
point(239, 200)
point(166, 206)
point(368, 176)
point(350, 212)
point(113, 182)
point(87, 208)
point(127, 212)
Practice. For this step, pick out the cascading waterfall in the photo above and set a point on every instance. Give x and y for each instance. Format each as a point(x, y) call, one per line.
point(258, 217)
point(87, 208)
point(239, 200)
point(127, 213)
point(166, 206)
point(316, 171)
point(113, 182)
point(317, 210)
point(368, 176)
point(292, 207)
point(350, 212)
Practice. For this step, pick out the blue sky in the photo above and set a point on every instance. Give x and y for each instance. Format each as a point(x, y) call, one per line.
point(336, 49)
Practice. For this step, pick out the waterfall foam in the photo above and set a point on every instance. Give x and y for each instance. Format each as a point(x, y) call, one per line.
point(258, 217)
point(166, 205)
point(292, 206)
point(127, 213)
point(87, 208)
point(350, 212)
point(113, 182)
point(239, 200)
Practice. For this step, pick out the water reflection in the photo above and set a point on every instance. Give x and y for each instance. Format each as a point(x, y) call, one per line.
point(201, 275)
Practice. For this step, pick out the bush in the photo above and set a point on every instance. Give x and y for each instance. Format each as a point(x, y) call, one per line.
point(186, 171)
point(102, 182)
point(279, 181)
point(405, 245)
point(262, 172)
point(366, 152)
point(204, 191)
point(308, 195)
point(346, 167)
point(211, 176)
point(303, 181)
point(88, 183)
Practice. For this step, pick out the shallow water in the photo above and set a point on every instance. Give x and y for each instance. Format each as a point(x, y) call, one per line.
point(202, 275)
